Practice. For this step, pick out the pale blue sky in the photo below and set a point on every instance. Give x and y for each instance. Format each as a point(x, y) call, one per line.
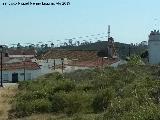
point(130, 20)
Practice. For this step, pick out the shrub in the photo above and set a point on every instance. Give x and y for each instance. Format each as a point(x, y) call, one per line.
point(73, 103)
point(58, 76)
point(58, 103)
point(23, 85)
point(41, 105)
point(25, 108)
point(21, 109)
point(102, 100)
point(155, 94)
point(147, 112)
point(29, 96)
point(135, 60)
point(49, 75)
point(73, 107)
point(79, 75)
point(128, 92)
point(64, 85)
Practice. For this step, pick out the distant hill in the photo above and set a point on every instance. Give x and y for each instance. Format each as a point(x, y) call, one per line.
point(121, 48)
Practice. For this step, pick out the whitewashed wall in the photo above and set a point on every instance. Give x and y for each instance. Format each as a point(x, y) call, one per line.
point(120, 62)
point(47, 65)
point(29, 74)
point(154, 52)
point(21, 56)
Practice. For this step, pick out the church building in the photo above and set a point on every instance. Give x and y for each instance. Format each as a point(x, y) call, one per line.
point(154, 47)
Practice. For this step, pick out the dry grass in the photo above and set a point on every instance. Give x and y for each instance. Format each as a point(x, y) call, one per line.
point(6, 95)
point(44, 117)
point(60, 117)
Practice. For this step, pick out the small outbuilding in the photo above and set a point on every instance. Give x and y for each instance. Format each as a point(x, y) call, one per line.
point(14, 72)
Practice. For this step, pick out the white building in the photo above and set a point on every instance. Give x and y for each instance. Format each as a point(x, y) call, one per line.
point(48, 65)
point(21, 53)
point(13, 55)
point(14, 72)
point(154, 47)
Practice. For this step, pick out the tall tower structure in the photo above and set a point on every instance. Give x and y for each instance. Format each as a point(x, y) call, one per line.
point(111, 47)
point(154, 47)
point(109, 31)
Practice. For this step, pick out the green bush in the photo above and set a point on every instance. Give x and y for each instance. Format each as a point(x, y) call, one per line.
point(58, 103)
point(25, 108)
point(81, 75)
point(128, 92)
point(102, 100)
point(23, 85)
point(135, 60)
point(64, 85)
point(21, 109)
point(58, 76)
point(148, 114)
point(73, 103)
point(29, 96)
point(73, 107)
point(41, 106)
point(155, 94)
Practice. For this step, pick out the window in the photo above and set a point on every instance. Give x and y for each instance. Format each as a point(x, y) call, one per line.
point(5, 78)
point(6, 54)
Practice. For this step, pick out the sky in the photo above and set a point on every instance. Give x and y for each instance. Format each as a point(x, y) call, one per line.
point(131, 21)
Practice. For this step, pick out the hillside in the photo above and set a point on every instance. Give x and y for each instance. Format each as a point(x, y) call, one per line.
point(126, 93)
point(89, 51)
point(121, 48)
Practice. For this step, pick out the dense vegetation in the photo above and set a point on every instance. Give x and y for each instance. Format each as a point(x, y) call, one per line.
point(130, 92)
point(121, 48)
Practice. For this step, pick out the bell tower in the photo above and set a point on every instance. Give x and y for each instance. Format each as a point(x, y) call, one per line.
point(110, 46)
point(154, 47)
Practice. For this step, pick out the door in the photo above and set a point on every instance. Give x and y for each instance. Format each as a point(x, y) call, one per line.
point(14, 77)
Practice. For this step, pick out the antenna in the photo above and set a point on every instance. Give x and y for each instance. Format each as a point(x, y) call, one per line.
point(109, 31)
point(156, 25)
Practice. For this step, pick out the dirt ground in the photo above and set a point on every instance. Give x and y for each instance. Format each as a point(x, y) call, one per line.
point(6, 95)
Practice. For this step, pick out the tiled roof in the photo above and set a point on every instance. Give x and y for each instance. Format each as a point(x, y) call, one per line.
point(94, 63)
point(21, 65)
point(12, 51)
point(80, 55)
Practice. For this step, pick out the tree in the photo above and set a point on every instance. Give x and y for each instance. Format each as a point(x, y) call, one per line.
point(135, 60)
point(78, 43)
point(19, 45)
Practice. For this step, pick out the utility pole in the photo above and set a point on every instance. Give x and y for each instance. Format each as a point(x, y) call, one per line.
point(102, 62)
point(24, 70)
point(129, 50)
point(1, 71)
point(1, 50)
point(24, 66)
point(62, 59)
point(109, 31)
point(54, 63)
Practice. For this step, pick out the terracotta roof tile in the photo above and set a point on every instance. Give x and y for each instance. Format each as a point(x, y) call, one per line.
point(21, 65)
point(93, 63)
point(21, 51)
point(80, 55)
